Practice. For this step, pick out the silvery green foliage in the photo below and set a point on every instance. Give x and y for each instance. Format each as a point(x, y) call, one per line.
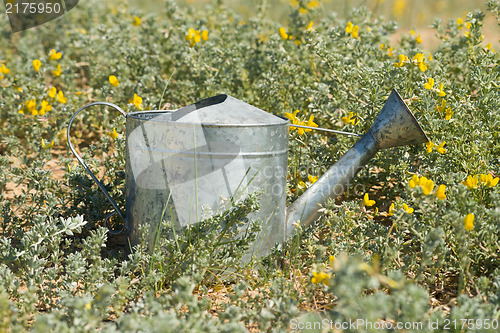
point(60, 270)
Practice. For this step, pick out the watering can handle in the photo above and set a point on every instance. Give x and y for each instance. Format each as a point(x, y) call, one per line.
point(82, 162)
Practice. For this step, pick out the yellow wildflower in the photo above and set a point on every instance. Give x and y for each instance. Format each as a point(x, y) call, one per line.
point(313, 4)
point(310, 26)
point(204, 35)
point(355, 31)
point(440, 91)
point(283, 34)
point(53, 55)
point(4, 69)
point(52, 92)
point(414, 181)
point(301, 130)
point(390, 212)
point(320, 277)
point(391, 209)
point(443, 108)
point(136, 100)
point(311, 123)
point(312, 179)
point(352, 119)
point(302, 10)
point(429, 145)
point(31, 107)
point(367, 200)
point(470, 182)
point(398, 8)
point(381, 47)
point(448, 114)
point(427, 185)
point(469, 222)
point(113, 135)
point(137, 21)
point(47, 145)
point(418, 59)
point(61, 98)
point(36, 65)
point(402, 59)
point(348, 27)
point(418, 39)
point(460, 23)
point(429, 84)
point(44, 107)
point(293, 118)
point(331, 259)
point(389, 52)
point(440, 193)
point(58, 71)
point(488, 180)
point(440, 148)
point(407, 209)
point(113, 80)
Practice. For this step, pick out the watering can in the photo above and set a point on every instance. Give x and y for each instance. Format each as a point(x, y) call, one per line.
point(190, 164)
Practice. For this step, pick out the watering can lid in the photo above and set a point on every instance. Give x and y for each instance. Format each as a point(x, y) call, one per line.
point(225, 110)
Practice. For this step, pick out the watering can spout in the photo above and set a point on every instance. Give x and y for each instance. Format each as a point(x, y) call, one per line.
point(394, 126)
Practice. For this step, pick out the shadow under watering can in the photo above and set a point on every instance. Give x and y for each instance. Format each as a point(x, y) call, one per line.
point(198, 160)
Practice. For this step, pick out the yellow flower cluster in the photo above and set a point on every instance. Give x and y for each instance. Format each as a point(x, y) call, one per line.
point(114, 81)
point(312, 179)
point(320, 277)
point(286, 36)
point(392, 210)
point(418, 39)
point(440, 148)
point(36, 65)
point(368, 202)
point(430, 85)
point(469, 222)
point(296, 121)
point(485, 180)
point(30, 106)
point(54, 55)
point(137, 101)
point(418, 60)
point(447, 110)
point(352, 30)
point(194, 36)
point(58, 71)
point(310, 5)
point(137, 21)
point(113, 134)
point(427, 186)
point(352, 119)
point(47, 145)
point(3, 70)
point(59, 96)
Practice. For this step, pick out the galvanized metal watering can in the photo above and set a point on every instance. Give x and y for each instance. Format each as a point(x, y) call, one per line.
point(200, 158)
